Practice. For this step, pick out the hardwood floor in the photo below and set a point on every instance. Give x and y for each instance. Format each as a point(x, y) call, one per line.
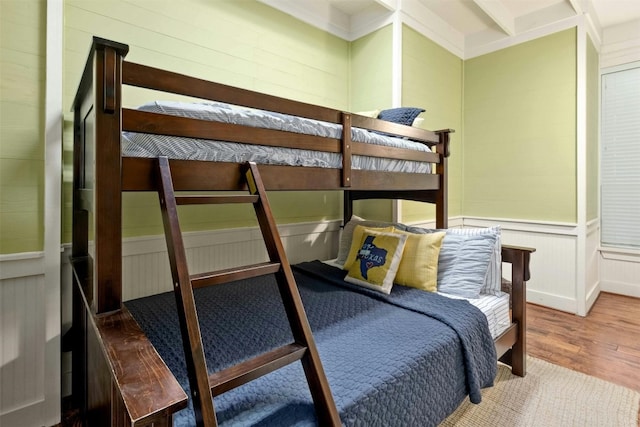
point(604, 344)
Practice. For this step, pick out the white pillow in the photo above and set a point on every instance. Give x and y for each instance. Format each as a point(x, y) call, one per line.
point(493, 279)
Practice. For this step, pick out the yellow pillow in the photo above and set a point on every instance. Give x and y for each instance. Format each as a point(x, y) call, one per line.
point(419, 265)
point(356, 242)
point(377, 261)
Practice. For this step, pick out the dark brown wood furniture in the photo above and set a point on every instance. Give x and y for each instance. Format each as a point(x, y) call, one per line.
point(205, 386)
point(118, 377)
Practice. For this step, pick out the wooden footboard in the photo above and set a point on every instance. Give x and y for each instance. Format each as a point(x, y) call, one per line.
point(118, 377)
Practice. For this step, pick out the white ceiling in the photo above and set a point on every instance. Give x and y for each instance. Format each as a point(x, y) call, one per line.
point(466, 27)
point(615, 12)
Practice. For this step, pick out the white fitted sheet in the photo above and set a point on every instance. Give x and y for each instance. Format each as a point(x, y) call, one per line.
point(495, 308)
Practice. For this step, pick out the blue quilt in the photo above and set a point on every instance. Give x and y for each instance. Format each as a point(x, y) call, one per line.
point(404, 359)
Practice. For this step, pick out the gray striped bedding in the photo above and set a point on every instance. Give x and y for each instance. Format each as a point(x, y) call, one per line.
point(149, 145)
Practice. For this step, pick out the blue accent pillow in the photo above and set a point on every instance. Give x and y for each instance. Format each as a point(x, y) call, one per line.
point(402, 115)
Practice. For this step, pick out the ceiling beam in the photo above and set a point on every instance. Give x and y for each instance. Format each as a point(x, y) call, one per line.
point(391, 5)
point(580, 6)
point(320, 14)
point(497, 11)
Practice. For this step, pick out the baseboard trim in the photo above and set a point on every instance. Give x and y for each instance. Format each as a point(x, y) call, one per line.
point(553, 301)
point(592, 296)
point(620, 288)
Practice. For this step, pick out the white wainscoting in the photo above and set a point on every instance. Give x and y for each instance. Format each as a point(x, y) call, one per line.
point(145, 263)
point(620, 271)
point(592, 266)
point(23, 340)
point(553, 280)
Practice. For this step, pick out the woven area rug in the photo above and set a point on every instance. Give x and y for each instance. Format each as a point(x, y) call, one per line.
point(549, 396)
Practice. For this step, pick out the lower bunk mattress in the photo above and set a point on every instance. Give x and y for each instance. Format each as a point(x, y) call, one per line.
point(408, 358)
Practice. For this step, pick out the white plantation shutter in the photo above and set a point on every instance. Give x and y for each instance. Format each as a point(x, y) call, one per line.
point(620, 159)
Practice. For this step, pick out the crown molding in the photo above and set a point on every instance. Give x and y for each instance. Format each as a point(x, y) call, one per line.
point(510, 30)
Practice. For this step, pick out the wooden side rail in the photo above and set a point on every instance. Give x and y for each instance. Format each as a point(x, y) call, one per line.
point(167, 81)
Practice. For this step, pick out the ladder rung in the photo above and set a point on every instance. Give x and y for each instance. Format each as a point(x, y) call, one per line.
point(256, 367)
point(216, 200)
point(203, 385)
point(232, 274)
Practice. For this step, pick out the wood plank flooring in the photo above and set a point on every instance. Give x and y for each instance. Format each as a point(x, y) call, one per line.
point(604, 344)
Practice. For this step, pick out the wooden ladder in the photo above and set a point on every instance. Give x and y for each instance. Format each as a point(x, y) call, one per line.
point(204, 386)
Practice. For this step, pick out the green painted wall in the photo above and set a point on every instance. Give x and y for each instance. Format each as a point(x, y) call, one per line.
point(520, 131)
point(593, 120)
point(432, 79)
point(241, 43)
point(371, 59)
point(371, 71)
point(517, 120)
point(22, 67)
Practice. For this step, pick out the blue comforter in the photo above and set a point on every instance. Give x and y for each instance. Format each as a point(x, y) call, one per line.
point(404, 359)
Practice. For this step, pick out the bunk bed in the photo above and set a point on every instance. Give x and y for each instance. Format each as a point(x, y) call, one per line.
point(119, 378)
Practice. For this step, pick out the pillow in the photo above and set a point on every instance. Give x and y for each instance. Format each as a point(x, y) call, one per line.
point(417, 122)
point(464, 263)
point(373, 113)
point(402, 115)
point(493, 280)
point(356, 242)
point(419, 264)
point(377, 261)
point(347, 234)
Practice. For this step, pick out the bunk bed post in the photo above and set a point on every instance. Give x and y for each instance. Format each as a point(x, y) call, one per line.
point(89, 127)
point(519, 258)
point(442, 213)
point(80, 226)
point(97, 113)
point(347, 207)
point(107, 194)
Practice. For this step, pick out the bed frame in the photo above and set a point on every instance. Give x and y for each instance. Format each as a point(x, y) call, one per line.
point(118, 377)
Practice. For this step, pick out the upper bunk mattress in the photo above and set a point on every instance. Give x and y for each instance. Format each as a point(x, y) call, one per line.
point(151, 145)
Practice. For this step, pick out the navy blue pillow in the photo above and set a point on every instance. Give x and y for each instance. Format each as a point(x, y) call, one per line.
point(402, 115)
